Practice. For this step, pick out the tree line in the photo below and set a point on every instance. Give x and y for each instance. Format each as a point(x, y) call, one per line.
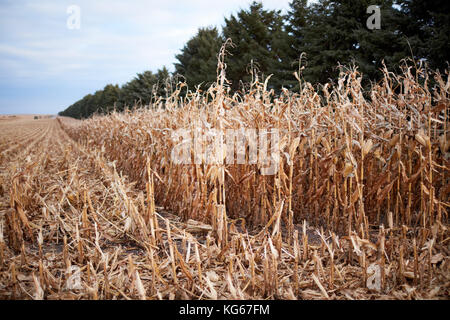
point(310, 40)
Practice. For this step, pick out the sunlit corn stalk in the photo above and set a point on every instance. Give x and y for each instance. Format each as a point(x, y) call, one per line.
point(171, 251)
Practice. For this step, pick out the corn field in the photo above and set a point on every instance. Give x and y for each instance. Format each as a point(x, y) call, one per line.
point(357, 208)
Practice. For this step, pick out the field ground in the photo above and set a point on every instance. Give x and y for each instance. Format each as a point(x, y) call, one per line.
point(73, 227)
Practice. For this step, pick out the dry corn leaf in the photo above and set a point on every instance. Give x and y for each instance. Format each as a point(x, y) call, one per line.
point(367, 147)
point(348, 170)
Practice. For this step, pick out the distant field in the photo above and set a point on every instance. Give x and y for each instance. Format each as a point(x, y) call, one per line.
point(23, 116)
point(357, 207)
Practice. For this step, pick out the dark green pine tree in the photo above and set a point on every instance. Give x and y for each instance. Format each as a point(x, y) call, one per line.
point(197, 61)
point(94, 105)
point(144, 86)
point(336, 33)
point(259, 36)
point(85, 104)
point(129, 95)
point(386, 44)
point(142, 89)
point(426, 24)
point(138, 91)
point(318, 42)
point(82, 107)
point(163, 85)
point(297, 19)
point(110, 95)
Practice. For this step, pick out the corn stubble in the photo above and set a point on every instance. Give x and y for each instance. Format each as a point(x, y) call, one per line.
point(96, 209)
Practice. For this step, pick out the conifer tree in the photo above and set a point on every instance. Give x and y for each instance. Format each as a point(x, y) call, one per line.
point(427, 28)
point(259, 36)
point(335, 32)
point(197, 61)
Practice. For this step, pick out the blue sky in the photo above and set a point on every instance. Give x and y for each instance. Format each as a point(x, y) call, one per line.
point(45, 66)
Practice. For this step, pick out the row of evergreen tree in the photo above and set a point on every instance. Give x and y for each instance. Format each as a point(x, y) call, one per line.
point(327, 32)
point(140, 91)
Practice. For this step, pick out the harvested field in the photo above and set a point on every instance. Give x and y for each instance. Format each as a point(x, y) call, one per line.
point(357, 207)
